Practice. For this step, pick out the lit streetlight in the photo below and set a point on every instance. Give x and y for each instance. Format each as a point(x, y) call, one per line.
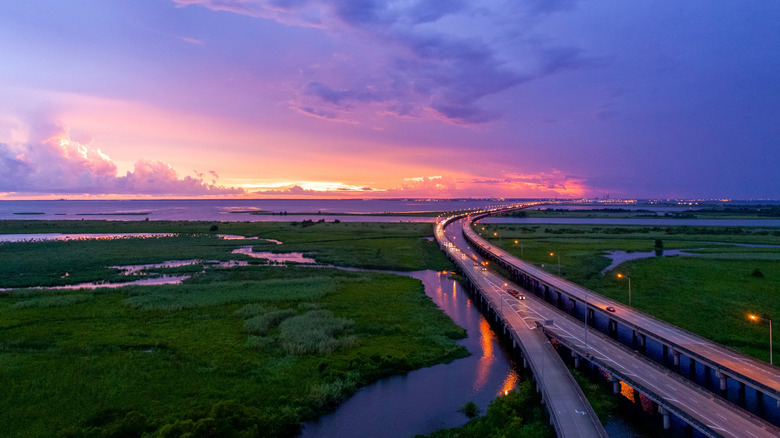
point(629, 287)
point(757, 318)
point(521, 247)
point(552, 254)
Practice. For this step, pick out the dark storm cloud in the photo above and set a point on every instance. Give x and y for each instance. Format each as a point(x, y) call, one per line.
point(418, 63)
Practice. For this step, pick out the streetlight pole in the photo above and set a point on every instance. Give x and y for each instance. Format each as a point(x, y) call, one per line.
point(629, 287)
point(521, 247)
point(587, 313)
point(501, 297)
point(758, 318)
point(559, 262)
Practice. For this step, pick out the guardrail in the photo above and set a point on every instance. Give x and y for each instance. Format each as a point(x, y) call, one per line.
point(536, 368)
point(483, 245)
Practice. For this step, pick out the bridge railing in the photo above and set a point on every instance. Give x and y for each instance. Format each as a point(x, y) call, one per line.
point(484, 246)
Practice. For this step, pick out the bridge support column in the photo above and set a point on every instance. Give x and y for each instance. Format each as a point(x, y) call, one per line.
point(560, 299)
point(572, 304)
point(676, 358)
point(641, 342)
point(576, 359)
point(665, 355)
point(615, 384)
point(613, 328)
point(741, 391)
point(722, 376)
point(667, 421)
point(589, 317)
point(692, 368)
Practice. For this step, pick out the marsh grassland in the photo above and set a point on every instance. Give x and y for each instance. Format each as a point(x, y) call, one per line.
point(245, 351)
point(255, 350)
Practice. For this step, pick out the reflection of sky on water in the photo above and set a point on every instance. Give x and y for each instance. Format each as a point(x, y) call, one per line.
point(296, 257)
point(40, 237)
point(151, 281)
point(427, 400)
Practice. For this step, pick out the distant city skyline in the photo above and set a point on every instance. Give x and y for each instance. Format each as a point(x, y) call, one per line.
point(397, 99)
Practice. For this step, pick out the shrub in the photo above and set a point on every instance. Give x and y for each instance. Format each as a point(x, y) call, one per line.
point(251, 310)
point(470, 409)
point(314, 332)
point(262, 324)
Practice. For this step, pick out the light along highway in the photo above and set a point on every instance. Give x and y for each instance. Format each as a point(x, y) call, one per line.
point(672, 393)
point(570, 413)
point(727, 363)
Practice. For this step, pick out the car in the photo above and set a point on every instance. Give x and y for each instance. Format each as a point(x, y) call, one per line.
point(484, 268)
point(515, 294)
point(610, 309)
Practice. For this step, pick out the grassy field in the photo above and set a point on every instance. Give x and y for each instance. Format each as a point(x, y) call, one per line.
point(401, 247)
point(248, 351)
point(709, 294)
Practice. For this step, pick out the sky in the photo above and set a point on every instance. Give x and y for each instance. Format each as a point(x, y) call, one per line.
point(389, 98)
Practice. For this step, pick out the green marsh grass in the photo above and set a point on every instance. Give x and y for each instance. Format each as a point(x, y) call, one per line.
point(261, 324)
point(52, 301)
point(177, 359)
point(314, 332)
point(520, 413)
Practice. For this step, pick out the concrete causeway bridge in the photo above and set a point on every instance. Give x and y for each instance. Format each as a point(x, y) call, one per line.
point(644, 357)
point(570, 413)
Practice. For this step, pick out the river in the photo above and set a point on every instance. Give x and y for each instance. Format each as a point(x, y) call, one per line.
point(426, 400)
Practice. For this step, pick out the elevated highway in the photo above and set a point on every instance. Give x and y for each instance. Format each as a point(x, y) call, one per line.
point(672, 394)
point(570, 413)
point(636, 328)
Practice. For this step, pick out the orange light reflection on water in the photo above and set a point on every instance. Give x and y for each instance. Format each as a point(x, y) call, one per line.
point(486, 338)
point(454, 289)
point(627, 391)
point(510, 383)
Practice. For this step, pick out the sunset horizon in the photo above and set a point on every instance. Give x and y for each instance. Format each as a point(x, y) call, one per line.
point(314, 98)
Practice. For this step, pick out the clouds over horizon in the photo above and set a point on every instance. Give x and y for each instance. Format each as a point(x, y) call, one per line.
point(544, 184)
point(421, 60)
point(49, 162)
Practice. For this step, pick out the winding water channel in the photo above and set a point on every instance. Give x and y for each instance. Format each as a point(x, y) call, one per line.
point(426, 400)
point(422, 401)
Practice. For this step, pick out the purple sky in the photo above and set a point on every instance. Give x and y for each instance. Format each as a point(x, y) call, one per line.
point(432, 98)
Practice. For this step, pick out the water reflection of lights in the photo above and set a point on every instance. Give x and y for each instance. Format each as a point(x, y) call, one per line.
point(486, 339)
point(627, 391)
point(510, 383)
point(454, 289)
point(647, 404)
